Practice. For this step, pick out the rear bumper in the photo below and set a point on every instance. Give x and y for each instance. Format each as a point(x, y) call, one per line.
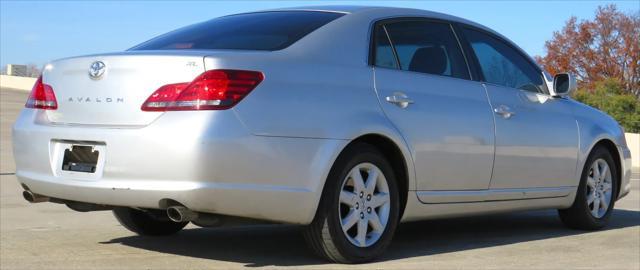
point(207, 161)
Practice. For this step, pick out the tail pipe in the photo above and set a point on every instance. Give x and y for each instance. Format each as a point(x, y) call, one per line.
point(34, 198)
point(181, 214)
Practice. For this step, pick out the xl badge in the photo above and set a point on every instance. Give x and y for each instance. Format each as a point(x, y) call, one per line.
point(96, 70)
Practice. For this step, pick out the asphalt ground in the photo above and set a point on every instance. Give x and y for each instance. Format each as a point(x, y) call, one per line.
point(51, 236)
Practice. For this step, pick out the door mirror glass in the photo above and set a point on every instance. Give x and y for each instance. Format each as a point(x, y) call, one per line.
point(564, 84)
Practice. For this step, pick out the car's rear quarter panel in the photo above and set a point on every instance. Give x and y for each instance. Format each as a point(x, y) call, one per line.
point(319, 88)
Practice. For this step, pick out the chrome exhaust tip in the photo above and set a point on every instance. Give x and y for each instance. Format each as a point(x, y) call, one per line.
point(181, 214)
point(34, 198)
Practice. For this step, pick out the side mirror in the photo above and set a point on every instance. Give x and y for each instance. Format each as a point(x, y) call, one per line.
point(564, 84)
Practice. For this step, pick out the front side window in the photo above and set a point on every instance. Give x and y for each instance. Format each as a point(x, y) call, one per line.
point(503, 65)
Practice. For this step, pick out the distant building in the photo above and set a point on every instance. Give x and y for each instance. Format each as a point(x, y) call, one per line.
point(17, 70)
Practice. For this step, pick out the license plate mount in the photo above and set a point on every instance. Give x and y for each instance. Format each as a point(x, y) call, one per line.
point(80, 158)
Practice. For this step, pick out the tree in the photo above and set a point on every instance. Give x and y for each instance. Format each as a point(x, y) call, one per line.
point(594, 50)
point(608, 96)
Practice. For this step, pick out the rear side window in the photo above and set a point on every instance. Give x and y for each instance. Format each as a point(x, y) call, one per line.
point(426, 47)
point(252, 31)
point(503, 65)
point(384, 54)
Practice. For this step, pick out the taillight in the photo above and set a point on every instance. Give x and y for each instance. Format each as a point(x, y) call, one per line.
point(42, 97)
point(218, 89)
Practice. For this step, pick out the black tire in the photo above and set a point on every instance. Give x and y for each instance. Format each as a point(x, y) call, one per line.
point(325, 236)
point(149, 222)
point(578, 216)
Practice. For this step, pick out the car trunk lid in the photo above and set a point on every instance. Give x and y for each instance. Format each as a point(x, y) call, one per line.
point(114, 94)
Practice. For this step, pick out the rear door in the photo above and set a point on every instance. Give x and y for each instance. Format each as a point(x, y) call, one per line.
point(536, 134)
point(425, 89)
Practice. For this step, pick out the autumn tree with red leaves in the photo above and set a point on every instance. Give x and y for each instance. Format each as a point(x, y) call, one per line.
point(607, 47)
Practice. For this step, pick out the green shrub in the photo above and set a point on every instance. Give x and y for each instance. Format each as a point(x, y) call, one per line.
point(609, 97)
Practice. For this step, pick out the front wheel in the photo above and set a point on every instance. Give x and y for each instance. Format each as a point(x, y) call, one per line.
point(359, 209)
point(596, 195)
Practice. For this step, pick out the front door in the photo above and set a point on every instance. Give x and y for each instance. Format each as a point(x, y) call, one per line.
point(536, 134)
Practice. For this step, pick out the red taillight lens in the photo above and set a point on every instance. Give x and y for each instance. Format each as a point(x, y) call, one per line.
point(218, 89)
point(42, 97)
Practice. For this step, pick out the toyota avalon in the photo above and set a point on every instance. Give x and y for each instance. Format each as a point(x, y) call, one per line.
point(347, 120)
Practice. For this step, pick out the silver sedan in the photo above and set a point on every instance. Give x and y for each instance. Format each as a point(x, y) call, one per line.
point(348, 120)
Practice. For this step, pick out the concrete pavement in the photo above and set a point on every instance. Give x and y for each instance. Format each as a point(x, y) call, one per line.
point(51, 236)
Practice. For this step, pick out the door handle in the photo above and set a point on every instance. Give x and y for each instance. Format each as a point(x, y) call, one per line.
point(504, 111)
point(399, 99)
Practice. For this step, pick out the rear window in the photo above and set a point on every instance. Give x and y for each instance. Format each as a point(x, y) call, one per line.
point(252, 31)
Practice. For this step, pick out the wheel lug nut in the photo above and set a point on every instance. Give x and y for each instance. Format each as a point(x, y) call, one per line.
point(361, 215)
point(361, 194)
point(369, 197)
point(357, 205)
point(369, 210)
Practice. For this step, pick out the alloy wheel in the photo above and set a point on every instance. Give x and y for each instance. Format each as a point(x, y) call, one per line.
point(599, 188)
point(364, 205)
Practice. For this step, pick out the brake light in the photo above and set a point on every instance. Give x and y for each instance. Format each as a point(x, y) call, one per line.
point(42, 97)
point(218, 89)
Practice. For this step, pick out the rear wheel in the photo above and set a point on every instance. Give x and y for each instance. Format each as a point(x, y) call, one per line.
point(595, 199)
point(149, 222)
point(359, 209)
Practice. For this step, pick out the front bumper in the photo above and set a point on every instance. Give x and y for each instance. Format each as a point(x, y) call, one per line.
point(625, 181)
point(207, 161)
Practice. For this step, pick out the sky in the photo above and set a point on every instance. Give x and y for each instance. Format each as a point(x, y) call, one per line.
point(37, 32)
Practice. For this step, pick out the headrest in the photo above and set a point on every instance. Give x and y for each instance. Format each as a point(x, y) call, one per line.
point(432, 60)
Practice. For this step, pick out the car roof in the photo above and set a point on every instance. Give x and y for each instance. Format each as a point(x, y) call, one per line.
point(328, 8)
point(381, 12)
